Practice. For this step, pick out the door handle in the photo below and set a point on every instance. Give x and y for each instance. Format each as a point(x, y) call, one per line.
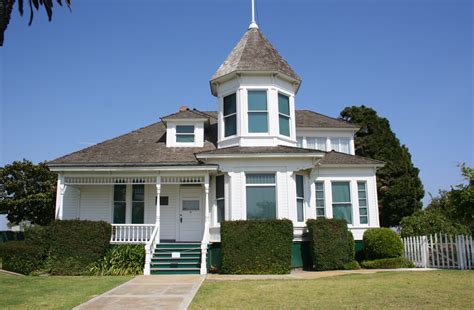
point(180, 218)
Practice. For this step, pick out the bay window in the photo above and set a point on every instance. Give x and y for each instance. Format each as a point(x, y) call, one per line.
point(284, 114)
point(261, 196)
point(341, 201)
point(230, 115)
point(257, 112)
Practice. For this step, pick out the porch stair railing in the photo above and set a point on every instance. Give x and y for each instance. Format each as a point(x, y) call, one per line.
point(131, 233)
point(150, 248)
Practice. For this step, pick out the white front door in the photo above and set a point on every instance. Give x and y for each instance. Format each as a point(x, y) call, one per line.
point(190, 214)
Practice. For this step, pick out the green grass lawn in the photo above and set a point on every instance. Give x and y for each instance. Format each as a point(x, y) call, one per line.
point(52, 292)
point(416, 290)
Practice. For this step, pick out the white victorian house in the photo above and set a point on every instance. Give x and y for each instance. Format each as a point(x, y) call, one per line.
point(169, 185)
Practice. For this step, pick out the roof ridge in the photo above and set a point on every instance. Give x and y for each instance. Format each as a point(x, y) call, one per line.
point(203, 113)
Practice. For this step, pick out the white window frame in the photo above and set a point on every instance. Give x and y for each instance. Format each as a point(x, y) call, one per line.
point(283, 114)
point(220, 199)
point(185, 134)
point(266, 90)
point(341, 203)
point(366, 202)
point(302, 199)
point(232, 114)
point(323, 198)
point(261, 185)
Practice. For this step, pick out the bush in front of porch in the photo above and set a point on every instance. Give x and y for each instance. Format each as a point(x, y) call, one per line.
point(120, 260)
point(256, 246)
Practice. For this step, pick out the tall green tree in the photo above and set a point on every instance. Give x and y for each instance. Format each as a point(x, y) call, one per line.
point(399, 187)
point(27, 192)
point(6, 8)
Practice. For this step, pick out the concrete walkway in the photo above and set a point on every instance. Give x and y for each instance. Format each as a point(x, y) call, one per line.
point(149, 292)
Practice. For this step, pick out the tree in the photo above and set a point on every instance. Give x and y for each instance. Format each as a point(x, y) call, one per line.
point(27, 192)
point(399, 187)
point(6, 8)
point(458, 203)
point(428, 222)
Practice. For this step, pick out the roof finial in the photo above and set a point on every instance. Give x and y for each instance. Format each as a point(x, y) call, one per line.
point(253, 24)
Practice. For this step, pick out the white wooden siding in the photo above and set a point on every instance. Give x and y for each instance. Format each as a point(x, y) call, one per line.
point(71, 203)
point(96, 203)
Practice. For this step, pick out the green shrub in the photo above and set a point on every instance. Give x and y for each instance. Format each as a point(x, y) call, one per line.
point(21, 257)
point(382, 243)
point(428, 222)
point(388, 263)
point(75, 244)
point(256, 246)
point(332, 244)
point(39, 236)
point(120, 260)
point(354, 265)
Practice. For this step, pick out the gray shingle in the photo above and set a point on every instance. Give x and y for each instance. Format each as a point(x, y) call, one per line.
point(337, 158)
point(254, 53)
point(310, 119)
point(189, 114)
point(241, 150)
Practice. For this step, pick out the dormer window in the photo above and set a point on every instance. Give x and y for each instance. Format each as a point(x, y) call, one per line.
point(284, 114)
point(185, 133)
point(230, 116)
point(257, 111)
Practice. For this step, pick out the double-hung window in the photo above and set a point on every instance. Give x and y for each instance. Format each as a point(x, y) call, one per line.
point(340, 145)
point(341, 201)
point(220, 198)
point(320, 203)
point(230, 115)
point(362, 194)
point(120, 203)
point(257, 111)
point(284, 114)
point(299, 198)
point(138, 204)
point(185, 133)
point(261, 196)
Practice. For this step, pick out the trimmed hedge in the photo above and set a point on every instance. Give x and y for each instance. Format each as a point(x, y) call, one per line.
point(256, 246)
point(21, 257)
point(354, 265)
point(382, 243)
point(332, 244)
point(75, 244)
point(388, 263)
point(120, 260)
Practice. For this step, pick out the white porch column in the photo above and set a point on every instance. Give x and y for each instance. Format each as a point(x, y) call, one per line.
point(206, 234)
point(158, 192)
point(61, 189)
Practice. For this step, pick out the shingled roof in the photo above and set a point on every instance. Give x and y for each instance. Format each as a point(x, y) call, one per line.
point(310, 119)
point(337, 158)
point(186, 114)
point(255, 53)
point(246, 150)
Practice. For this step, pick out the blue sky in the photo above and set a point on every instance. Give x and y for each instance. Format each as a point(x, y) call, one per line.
point(113, 66)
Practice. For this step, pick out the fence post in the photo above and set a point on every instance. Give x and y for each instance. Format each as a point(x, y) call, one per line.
point(424, 251)
point(459, 252)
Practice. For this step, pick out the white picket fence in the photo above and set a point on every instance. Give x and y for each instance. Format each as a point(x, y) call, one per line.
point(440, 251)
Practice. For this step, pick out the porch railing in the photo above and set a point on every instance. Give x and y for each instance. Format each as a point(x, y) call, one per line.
point(131, 233)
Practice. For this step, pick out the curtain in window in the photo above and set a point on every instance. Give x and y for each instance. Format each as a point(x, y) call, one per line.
point(299, 141)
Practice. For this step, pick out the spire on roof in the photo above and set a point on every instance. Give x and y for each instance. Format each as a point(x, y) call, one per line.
point(253, 23)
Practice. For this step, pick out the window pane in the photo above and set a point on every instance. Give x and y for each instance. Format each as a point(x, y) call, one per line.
point(190, 205)
point(362, 203)
point(261, 202)
point(230, 125)
point(284, 104)
point(310, 143)
point(257, 100)
point(229, 104)
point(361, 186)
point(120, 192)
point(363, 211)
point(320, 212)
point(299, 141)
point(185, 138)
point(138, 212)
point(284, 125)
point(220, 186)
point(320, 187)
point(342, 211)
point(363, 220)
point(184, 129)
point(258, 122)
point(344, 146)
point(164, 200)
point(220, 210)
point(341, 192)
point(320, 203)
point(362, 194)
point(299, 210)
point(260, 178)
point(119, 212)
point(138, 192)
point(299, 186)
